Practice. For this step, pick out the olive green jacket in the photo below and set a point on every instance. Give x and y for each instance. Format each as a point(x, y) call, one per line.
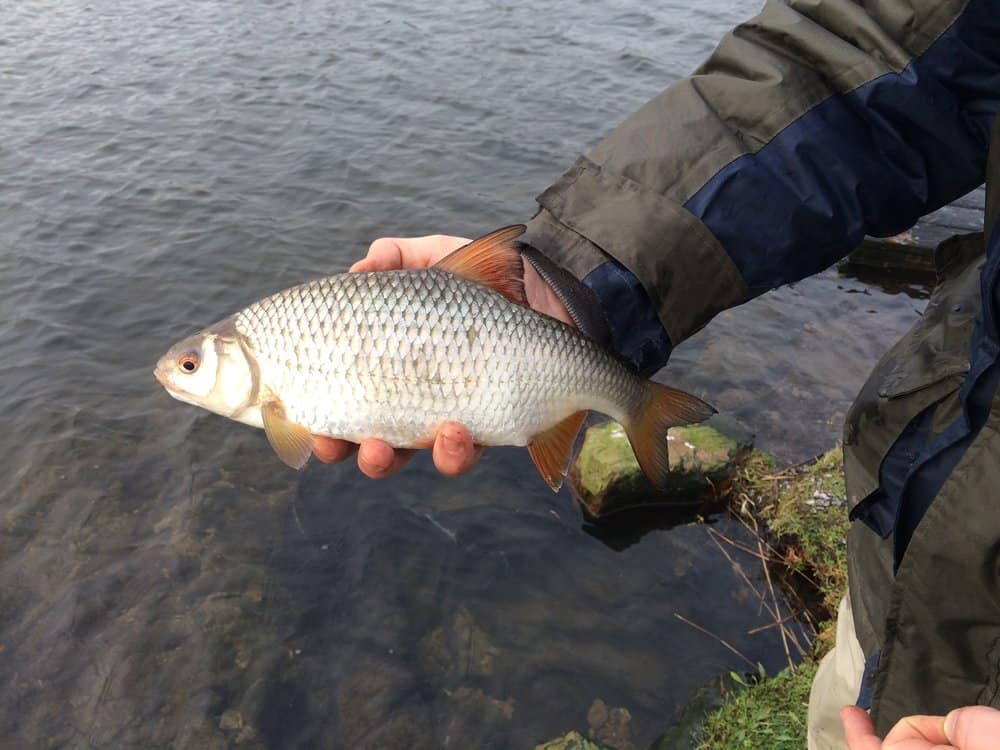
point(811, 125)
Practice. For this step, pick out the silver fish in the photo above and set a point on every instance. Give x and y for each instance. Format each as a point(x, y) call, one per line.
point(393, 354)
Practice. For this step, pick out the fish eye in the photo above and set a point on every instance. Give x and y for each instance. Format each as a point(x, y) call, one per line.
point(189, 362)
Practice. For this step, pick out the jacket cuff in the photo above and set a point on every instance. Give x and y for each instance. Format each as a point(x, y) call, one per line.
point(687, 276)
point(636, 332)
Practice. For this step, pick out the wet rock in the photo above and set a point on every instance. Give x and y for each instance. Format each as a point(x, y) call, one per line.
point(377, 707)
point(456, 650)
point(246, 734)
point(703, 460)
point(482, 703)
point(687, 733)
point(610, 725)
point(570, 741)
point(474, 716)
point(203, 735)
point(231, 720)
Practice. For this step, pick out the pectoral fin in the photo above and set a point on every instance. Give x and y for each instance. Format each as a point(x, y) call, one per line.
point(552, 449)
point(292, 442)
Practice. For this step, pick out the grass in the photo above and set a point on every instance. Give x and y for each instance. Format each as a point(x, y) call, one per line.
point(802, 515)
point(768, 715)
point(804, 511)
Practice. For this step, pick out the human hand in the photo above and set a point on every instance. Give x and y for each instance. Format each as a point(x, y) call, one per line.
point(968, 728)
point(453, 450)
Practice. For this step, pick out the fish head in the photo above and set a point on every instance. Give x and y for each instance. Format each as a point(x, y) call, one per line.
point(213, 369)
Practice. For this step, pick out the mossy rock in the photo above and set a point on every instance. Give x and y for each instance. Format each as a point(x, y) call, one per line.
point(456, 649)
point(570, 741)
point(703, 461)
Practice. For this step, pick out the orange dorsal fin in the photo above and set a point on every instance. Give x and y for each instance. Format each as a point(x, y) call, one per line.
point(493, 260)
point(552, 449)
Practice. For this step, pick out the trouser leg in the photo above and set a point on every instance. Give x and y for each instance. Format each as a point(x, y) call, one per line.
point(837, 684)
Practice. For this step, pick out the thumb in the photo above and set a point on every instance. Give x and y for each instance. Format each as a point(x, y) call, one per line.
point(858, 730)
point(973, 728)
point(384, 254)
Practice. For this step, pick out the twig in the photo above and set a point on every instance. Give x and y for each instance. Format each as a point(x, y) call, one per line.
point(709, 633)
point(783, 473)
point(742, 574)
point(740, 546)
point(776, 556)
point(775, 624)
point(774, 600)
point(786, 634)
point(774, 611)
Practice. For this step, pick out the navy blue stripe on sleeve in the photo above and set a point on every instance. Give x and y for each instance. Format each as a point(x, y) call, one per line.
point(871, 161)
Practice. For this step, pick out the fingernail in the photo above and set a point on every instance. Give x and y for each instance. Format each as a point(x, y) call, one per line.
point(451, 445)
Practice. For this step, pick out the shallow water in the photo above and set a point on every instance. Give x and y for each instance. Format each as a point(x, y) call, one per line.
point(164, 580)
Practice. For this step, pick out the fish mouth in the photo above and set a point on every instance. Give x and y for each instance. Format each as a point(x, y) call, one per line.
point(161, 378)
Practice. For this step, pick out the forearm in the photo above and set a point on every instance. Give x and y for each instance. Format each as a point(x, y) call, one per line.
point(810, 126)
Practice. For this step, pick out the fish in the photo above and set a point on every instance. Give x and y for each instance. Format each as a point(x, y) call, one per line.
point(394, 354)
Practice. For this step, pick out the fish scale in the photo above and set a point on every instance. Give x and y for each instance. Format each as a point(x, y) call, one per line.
point(393, 354)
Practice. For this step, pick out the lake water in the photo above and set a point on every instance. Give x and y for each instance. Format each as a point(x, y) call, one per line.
point(164, 580)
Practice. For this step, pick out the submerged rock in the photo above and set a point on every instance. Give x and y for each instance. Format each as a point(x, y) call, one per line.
point(231, 720)
point(456, 650)
point(610, 725)
point(570, 741)
point(703, 460)
point(472, 715)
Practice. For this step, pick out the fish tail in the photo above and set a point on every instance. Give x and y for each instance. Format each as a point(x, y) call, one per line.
point(659, 408)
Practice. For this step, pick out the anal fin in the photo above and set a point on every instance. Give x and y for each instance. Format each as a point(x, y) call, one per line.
point(292, 442)
point(552, 449)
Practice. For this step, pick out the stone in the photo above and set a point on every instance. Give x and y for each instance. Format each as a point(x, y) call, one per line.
point(610, 725)
point(703, 460)
point(471, 712)
point(474, 700)
point(570, 741)
point(457, 650)
point(231, 720)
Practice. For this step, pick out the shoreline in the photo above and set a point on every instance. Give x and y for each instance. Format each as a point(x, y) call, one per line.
point(801, 513)
point(798, 517)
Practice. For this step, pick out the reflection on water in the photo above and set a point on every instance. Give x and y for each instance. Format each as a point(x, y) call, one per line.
point(912, 283)
point(164, 580)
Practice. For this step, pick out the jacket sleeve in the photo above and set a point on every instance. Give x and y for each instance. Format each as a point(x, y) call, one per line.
point(811, 125)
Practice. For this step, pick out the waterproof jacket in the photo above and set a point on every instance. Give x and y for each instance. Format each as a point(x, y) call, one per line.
point(810, 126)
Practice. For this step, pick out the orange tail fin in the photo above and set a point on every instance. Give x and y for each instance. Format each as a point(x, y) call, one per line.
point(646, 428)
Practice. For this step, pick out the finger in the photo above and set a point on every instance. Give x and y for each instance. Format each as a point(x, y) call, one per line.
point(384, 254)
point(330, 450)
point(390, 253)
point(454, 452)
point(973, 728)
point(379, 460)
point(927, 729)
point(858, 729)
